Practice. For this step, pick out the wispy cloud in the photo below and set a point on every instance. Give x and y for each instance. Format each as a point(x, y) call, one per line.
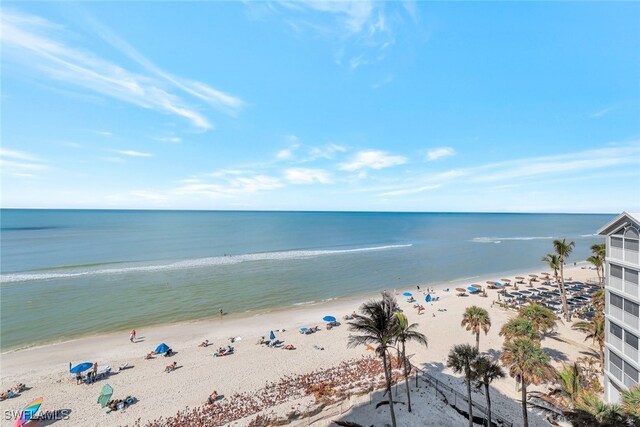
point(173, 139)
point(133, 153)
point(232, 187)
point(307, 176)
point(327, 152)
point(602, 112)
point(284, 154)
point(409, 190)
point(20, 164)
point(39, 44)
point(438, 153)
point(372, 159)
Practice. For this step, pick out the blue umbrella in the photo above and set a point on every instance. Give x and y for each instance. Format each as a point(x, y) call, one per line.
point(407, 294)
point(162, 348)
point(499, 284)
point(329, 319)
point(80, 368)
point(472, 289)
point(428, 298)
point(272, 336)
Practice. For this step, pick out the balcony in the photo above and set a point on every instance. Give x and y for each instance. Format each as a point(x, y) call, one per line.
point(631, 320)
point(616, 253)
point(616, 312)
point(615, 283)
point(629, 382)
point(630, 352)
point(630, 288)
point(631, 256)
point(615, 342)
point(615, 372)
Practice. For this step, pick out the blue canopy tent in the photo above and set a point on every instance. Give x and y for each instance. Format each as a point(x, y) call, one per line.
point(499, 284)
point(329, 319)
point(162, 348)
point(80, 368)
point(272, 336)
point(472, 289)
point(428, 298)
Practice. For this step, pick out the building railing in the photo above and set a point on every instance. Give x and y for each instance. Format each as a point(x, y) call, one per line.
point(615, 312)
point(629, 382)
point(459, 400)
point(615, 342)
point(631, 320)
point(630, 256)
point(616, 283)
point(615, 371)
point(631, 352)
point(631, 288)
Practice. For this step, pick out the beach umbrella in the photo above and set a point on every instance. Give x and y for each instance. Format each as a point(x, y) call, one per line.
point(472, 289)
point(105, 395)
point(499, 284)
point(519, 278)
point(162, 348)
point(489, 282)
point(80, 368)
point(460, 290)
point(428, 298)
point(407, 294)
point(506, 280)
point(272, 336)
point(329, 319)
point(28, 412)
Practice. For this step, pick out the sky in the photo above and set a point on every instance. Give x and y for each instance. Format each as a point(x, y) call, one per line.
point(360, 106)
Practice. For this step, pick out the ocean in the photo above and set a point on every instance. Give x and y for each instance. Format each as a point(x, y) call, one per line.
point(70, 273)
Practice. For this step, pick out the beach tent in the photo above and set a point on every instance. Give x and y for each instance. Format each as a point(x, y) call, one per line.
point(272, 336)
point(80, 368)
point(28, 412)
point(472, 289)
point(105, 395)
point(407, 294)
point(329, 319)
point(162, 348)
point(428, 298)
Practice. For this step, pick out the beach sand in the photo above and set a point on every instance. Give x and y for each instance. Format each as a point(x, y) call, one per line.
point(45, 369)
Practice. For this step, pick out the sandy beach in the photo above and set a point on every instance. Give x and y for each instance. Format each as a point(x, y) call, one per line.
point(45, 369)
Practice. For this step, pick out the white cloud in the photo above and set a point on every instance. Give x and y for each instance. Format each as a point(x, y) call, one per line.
point(132, 153)
point(410, 190)
point(372, 159)
point(284, 154)
point(602, 112)
point(325, 152)
point(438, 153)
point(307, 176)
point(38, 43)
point(173, 139)
point(20, 164)
point(232, 187)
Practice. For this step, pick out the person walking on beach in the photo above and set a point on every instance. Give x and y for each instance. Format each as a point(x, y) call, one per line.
point(132, 336)
point(221, 313)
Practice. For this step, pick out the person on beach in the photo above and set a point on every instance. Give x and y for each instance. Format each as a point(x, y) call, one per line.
point(132, 335)
point(78, 378)
point(171, 367)
point(221, 313)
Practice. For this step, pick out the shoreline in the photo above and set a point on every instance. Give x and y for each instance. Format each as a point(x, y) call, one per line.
point(215, 319)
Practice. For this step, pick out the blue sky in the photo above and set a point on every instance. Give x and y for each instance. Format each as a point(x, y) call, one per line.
point(523, 107)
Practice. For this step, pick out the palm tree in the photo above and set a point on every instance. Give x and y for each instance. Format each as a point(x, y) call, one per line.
point(476, 319)
point(519, 327)
point(598, 263)
point(407, 332)
point(461, 359)
point(590, 411)
point(485, 372)
point(594, 329)
point(376, 325)
point(599, 253)
point(526, 360)
point(597, 299)
point(571, 384)
point(563, 250)
point(542, 318)
point(554, 264)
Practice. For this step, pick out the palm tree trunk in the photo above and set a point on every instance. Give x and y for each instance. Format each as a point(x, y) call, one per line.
point(486, 390)
point(387, 378)
point(602, 358)
point(406, 376)
point(478, 340)
point(470, 403)
point(525, 416)
point(563, 294)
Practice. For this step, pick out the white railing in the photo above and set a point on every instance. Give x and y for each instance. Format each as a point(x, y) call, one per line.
point(616, 253)
point(629, 382)
point(615, 283)
point(631, 288)
point(616, 312)
point(615, 372)
point(631, 352)
point(615, 342)
point(631, 256)
point(631, 320)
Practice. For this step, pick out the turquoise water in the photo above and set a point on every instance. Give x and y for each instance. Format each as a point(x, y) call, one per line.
point(67, 273)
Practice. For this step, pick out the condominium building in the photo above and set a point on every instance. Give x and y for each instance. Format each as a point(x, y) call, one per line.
point(622, 303)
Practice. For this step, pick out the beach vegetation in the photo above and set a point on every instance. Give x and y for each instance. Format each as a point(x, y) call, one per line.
point(540, 316)
point(563, 249)
point(554, 264)
point(485, 372)
point(594, 329)
point(376, 326)
point(525, 360)
point(519, 327)
point(476, 319)
point(405, 332)
point(461, 359)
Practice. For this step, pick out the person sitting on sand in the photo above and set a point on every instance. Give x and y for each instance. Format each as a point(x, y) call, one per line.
point(169, 353)
point(78, 378)
point(171, 367)
point(149, 355)
point(212, 397)
point(261, 340)
point(204, 343)
point(288, 347)
point(421, 309)
point(19, 387)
